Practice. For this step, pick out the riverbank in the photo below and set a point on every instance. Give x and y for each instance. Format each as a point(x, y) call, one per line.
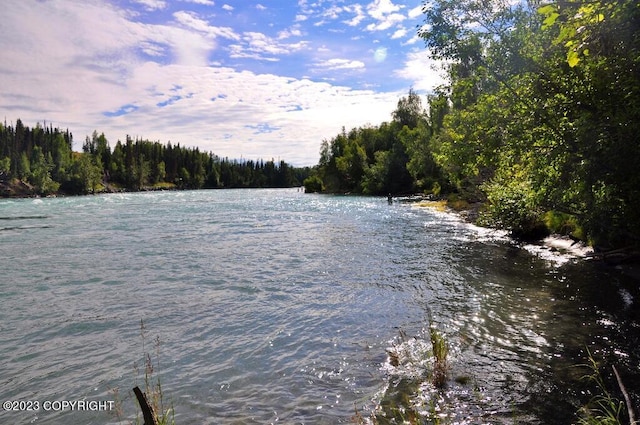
point(15, 188)
point(547, 247)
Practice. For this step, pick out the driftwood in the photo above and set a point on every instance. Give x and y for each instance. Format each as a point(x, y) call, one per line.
point(627, 399)
point(616, 256)
point(147, 411)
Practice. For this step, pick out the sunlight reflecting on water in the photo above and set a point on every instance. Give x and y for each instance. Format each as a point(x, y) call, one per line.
point(276, 305)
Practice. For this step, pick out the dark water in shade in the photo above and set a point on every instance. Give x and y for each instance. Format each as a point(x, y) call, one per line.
point(276, 306)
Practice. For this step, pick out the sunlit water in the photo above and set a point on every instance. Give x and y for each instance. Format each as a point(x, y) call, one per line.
point(278, 306)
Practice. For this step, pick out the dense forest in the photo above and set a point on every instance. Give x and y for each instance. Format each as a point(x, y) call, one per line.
point(539, 120)
point(42, 160)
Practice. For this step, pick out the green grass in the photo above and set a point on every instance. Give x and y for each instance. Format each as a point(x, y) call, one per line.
point(164, 185)
point(151, 386)
point(563, 224)
point(440, 362)
point(401, 402)
point(604, 408)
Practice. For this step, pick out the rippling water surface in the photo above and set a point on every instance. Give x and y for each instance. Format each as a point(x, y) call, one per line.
point(276, 306)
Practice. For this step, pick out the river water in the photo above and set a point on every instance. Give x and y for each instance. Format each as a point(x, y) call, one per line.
point(278, 306)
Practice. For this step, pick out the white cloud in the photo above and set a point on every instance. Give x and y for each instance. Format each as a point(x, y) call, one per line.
point(385, 13)
point(202, 2)
point(424, 73)
point(387, 22)
point(152, 4)
point(260, 7)
point(192, 21)
point(262, 47)
point(333, 12)
point(415, 12)
point(412, 40)
point(378, 9)
point(335, 64)
point(399, 33)
point(359, 15)
point(120, 76)
point(227, 7)
point(290, 32)
point(302, 112)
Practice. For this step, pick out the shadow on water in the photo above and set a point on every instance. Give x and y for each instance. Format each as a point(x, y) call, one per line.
point(520, 332)
point(23, 227)
point(27, 217)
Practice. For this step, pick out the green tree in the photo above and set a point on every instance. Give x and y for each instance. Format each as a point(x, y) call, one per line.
point(313, 184)
point(62, 158)
point(24, 167)
point(158, 172)
point(5, 168)
point(409, 110)
point(421, 165)
point(535, 114)
point(87, 174)
point(376, 176)
point(40, 175)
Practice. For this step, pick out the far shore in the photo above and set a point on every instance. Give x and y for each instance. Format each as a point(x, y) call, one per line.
point(17, 189)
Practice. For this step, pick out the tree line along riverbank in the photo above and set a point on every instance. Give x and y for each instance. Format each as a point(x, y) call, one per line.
point(537, 122)
point(40, 161)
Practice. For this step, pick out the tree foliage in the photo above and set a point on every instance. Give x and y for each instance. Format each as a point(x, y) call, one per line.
point(393, 157)
point(539, 117)
point(43, 157)
point(544, 109)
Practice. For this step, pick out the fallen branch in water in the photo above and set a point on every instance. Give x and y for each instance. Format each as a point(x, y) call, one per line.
point(627, 399)
point(616, 256)
point(147, 411)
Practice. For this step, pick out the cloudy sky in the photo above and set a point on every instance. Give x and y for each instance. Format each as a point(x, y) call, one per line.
point(243, 79)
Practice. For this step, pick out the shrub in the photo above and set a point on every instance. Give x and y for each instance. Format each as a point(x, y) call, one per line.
point(313, 184)
point(512, 206)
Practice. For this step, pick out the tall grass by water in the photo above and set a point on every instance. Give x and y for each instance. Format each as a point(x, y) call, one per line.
point(153, 397)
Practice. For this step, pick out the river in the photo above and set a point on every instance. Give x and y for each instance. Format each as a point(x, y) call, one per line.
point(265, 306)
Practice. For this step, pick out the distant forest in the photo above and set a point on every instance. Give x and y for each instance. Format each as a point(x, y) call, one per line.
point(42, 159)
point(538, 121)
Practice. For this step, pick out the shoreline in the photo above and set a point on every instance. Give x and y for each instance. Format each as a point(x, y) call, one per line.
point(18, 189)
point(551, 245)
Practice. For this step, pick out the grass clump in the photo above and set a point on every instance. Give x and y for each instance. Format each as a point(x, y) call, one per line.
point(457, 203)
point(440, 362)
point(440, 206)
point(604, 408)
point(151, 387)
point(563, 224)
point(419, 374)
point(152, 384)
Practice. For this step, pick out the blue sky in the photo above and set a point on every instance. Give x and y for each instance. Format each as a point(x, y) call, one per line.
point(242, 79)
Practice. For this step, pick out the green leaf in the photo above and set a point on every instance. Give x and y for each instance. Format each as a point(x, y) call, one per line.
point(573, 58)
point(550, 20)
point(547, 9)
